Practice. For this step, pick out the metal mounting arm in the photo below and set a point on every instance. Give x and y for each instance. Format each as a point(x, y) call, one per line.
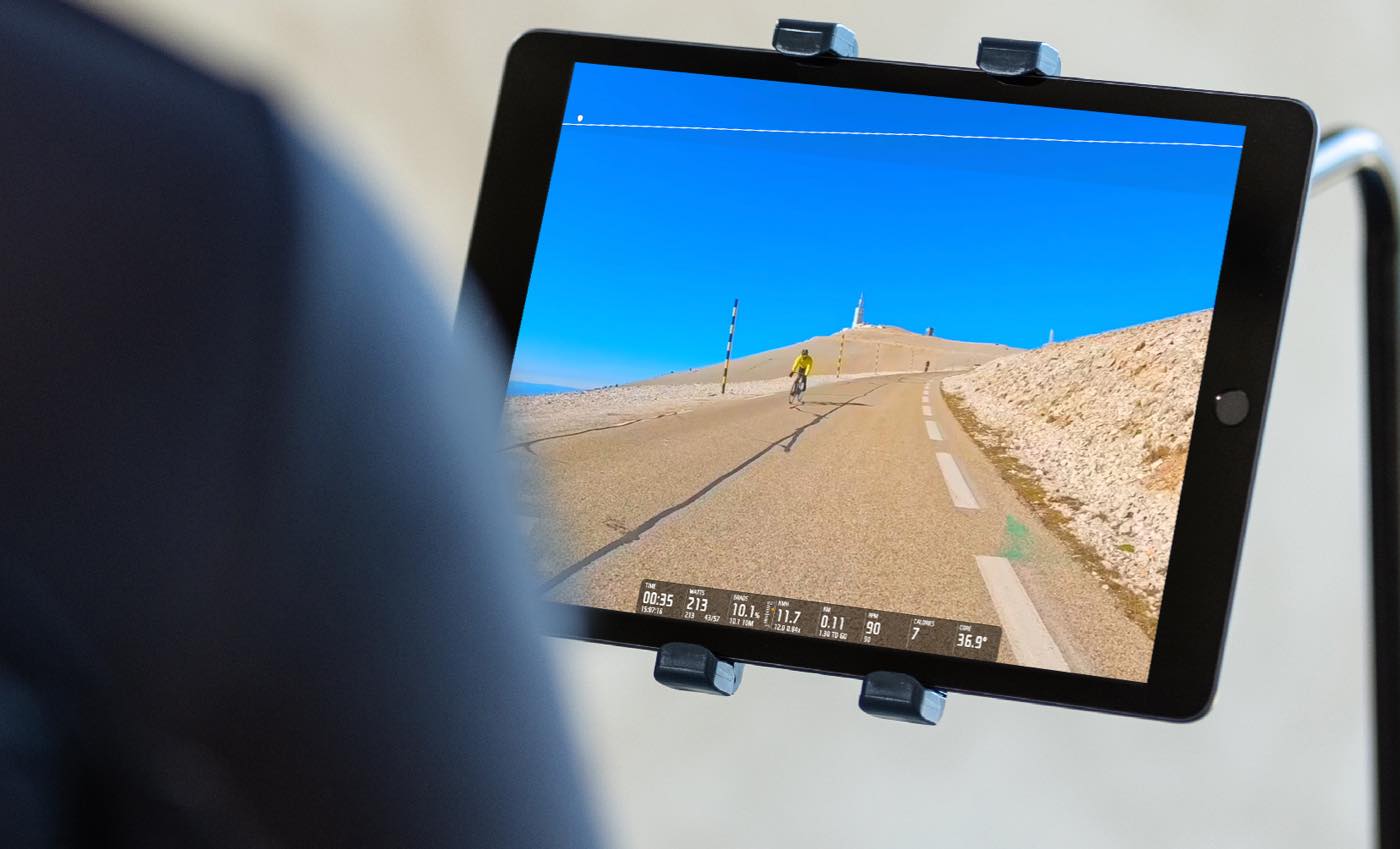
point(1362, 153)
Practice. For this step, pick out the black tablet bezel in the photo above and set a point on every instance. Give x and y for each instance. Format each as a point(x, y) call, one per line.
point(1279, 141)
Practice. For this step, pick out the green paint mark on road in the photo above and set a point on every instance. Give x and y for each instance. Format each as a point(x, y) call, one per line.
point(1016, 543)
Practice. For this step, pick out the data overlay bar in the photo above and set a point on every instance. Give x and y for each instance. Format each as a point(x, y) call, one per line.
point(841, 623)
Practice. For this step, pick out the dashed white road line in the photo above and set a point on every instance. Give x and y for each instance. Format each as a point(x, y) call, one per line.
point(957, 484)
point(933, 432)
point(1020, 622)
point(927, 411)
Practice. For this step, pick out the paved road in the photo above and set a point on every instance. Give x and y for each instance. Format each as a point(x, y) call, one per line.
point(869, 494)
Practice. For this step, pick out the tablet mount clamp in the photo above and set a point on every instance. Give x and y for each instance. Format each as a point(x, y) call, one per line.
point(1341, 153)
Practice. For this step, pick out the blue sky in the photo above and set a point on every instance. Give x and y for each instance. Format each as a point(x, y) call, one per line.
point(650, 234)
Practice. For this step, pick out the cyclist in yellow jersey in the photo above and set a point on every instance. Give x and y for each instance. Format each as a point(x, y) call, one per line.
point(802, 366)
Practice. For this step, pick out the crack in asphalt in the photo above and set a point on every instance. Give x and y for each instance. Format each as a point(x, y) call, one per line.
point(528, 445)
point(636, 533)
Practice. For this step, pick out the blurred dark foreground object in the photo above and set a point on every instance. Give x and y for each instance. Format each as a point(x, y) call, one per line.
point(255, 587)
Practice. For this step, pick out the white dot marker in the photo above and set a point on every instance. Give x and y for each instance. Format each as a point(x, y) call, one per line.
point(579, 119)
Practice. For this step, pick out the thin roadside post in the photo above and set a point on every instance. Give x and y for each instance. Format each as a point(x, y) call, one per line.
point(729, 346)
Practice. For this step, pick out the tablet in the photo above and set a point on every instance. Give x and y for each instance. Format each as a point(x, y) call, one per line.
point(849, 365)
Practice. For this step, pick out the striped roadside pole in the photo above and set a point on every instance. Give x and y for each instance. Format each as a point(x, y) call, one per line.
point(877, 358)
point(729, 346)
point(841, 355)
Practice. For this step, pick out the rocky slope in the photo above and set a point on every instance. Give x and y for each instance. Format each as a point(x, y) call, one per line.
point(1101, 424)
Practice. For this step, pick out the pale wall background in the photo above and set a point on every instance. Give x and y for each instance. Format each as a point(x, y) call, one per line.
point(404, 92)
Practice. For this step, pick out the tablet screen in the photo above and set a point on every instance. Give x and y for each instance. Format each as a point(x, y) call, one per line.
point(885, 369)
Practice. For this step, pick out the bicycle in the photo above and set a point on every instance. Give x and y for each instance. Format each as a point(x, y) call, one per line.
point(799, 389)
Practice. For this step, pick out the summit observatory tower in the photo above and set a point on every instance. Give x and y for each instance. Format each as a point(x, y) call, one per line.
point(859, 319)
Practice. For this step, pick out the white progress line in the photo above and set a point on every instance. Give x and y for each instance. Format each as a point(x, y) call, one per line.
point(877, 133)
point(933, 432)
point(1020, 621)
point(957, 484)
point(928, 411)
